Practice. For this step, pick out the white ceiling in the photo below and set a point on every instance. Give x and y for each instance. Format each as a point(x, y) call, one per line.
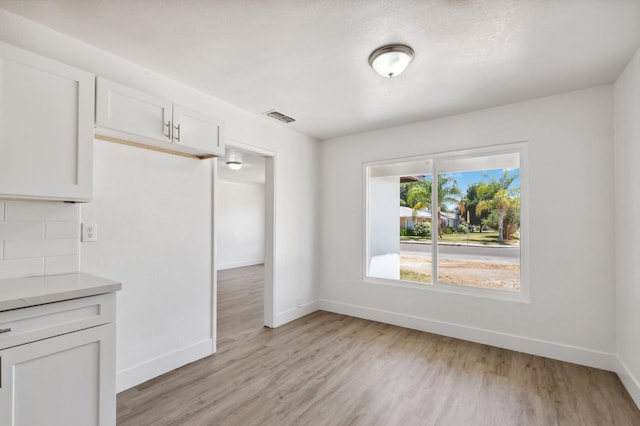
point(308, 59)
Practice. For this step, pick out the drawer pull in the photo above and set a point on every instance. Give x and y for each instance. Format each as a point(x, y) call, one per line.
point(4, 330)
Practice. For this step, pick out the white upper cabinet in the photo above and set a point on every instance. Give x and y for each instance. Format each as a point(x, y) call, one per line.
point(46, 128)
point(130, 116)
point(197, 130)
point(122, 108)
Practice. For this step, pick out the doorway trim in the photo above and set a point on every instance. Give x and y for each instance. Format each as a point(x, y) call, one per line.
point(269, 237)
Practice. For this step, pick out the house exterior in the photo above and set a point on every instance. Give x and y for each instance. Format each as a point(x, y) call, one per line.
point(407, 220)
point(423, 215)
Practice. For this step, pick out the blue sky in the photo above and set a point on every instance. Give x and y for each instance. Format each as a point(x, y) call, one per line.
point(465, 179)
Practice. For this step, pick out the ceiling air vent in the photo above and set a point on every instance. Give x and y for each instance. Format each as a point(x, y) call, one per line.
point(279, 116)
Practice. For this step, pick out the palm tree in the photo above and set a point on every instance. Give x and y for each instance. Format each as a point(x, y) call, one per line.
point(496, 195)
point(419, 195)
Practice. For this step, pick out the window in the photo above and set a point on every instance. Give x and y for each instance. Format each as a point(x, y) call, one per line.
point(451, 220)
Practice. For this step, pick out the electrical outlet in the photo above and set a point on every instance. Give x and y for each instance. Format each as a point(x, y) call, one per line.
point(89, 232)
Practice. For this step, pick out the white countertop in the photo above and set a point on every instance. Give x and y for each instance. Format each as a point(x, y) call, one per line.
point(22, 292)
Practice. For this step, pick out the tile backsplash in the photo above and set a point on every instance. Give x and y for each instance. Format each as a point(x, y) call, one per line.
point(38, 238)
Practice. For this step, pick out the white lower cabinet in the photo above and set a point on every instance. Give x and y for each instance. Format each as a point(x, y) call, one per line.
point(63, 380)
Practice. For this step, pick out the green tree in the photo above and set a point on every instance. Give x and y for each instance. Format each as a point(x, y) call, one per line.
point(470, 200)
point(404, 187)
point(512, 220)
point(491, 221)
point(419, 194)
point(496, 195)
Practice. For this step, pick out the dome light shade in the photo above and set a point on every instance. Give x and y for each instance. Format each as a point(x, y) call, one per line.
point(391, 60)
point(234, 160)
point(234, 165)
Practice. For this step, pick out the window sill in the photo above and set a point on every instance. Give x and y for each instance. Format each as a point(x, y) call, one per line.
point(484, 293)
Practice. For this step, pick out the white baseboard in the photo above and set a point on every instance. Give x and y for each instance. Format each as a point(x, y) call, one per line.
point(630, 382)
point(295, 313)
point(140, 373)
point(573, 354)
point(239, 264)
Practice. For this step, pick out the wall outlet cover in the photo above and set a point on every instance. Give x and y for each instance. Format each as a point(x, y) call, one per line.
point(89, 232)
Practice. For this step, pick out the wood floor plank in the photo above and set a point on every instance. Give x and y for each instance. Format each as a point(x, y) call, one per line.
point(329, 369)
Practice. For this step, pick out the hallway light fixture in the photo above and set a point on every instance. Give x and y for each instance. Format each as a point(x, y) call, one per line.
point(234, 165)
point(234, 160)
point(391, 60)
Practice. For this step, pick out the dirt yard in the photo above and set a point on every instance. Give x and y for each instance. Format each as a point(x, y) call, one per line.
point(484, 274)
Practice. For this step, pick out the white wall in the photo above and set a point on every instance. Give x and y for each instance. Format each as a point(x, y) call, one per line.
point(38, 238)
point(627, 207)
point(152, 207)
point(571, 315)
point(384, 193)
point(153, 219)
point(384, 243)
point(240, 223)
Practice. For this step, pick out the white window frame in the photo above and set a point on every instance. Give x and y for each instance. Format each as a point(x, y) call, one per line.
point(523, 295)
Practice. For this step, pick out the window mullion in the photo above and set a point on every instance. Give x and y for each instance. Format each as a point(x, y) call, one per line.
point(435, 222)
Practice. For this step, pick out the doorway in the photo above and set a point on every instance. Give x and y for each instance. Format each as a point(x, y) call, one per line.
point(243, 242)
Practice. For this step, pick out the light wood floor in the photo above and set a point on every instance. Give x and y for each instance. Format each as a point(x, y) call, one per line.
point(329, 369)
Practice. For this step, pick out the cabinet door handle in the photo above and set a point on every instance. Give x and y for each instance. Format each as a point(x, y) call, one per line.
point(177, 137)
point(168, 126)
point(4, 330)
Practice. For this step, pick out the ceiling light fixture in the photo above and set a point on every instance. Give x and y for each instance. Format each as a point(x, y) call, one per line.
point(234, 165)
point(391, 60)
point(234, 160)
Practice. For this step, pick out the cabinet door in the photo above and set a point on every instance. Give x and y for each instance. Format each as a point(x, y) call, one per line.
point(46, 128)
point(66, 380)
point(123, 109)
point(193, 129)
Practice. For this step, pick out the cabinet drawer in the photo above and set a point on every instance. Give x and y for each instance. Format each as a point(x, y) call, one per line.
point(43, 321)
